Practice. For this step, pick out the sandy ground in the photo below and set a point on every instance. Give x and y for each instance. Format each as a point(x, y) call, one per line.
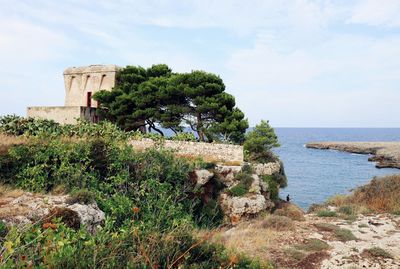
point(386, 154)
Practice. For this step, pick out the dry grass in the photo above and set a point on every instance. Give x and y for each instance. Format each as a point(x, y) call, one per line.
point(277, 223)
point(380, 195)
point(7, 141)
point(291, 211)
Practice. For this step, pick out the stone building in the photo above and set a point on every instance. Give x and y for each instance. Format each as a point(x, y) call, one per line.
point(80, 85)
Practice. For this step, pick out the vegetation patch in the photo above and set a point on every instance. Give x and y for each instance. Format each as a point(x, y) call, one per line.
point(326, 213)
point(313, 244)
point(241, 188)
point(278, 223)
point(378, 252)
point(291, 211)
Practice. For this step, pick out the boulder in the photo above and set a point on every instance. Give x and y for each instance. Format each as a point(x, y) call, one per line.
point(237, 207)
point(202, 176)
point(24, 207)
point(227, 174)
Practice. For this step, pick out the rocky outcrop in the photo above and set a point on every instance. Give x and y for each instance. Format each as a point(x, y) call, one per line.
point(19, 208)
point(386, 154)
point(257, 198)
point(202, 176)
point(263, 169)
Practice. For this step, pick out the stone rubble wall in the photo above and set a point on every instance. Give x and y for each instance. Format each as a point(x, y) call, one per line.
point(208, 151)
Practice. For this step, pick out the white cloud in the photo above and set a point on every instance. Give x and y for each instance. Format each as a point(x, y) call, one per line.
point(377, 12)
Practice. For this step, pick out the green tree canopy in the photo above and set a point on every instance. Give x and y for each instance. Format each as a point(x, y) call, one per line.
point(147, 99)
point(260, 141)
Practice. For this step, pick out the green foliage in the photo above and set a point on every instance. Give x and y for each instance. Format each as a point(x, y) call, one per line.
point(148, 98)
point(344, 235)
point(259, 142)
point(82, 196)
point(379, 252)
point(273, 186)
point(150, 204)
point(245, 181)
point(313, 244)
point(126, 248)
point(184, 137)
point(326, 213)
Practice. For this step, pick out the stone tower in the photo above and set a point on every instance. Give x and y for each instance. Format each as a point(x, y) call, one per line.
point(82, 82)
point(80, 85)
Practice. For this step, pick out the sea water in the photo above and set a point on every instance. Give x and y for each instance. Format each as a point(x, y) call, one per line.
point(315, 175)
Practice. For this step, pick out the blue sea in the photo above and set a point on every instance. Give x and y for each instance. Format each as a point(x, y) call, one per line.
point(314, 175)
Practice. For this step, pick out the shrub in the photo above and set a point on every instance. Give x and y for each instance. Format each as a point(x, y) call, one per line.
point(344, 235)
point(313, 244)
point(341, 234)
point(259, 142)
point(273, 186)
point(381, 194)
point(184, 137)
point(82, 196)
point(326, 213)
point(279, 223)
point(379, 252)
point(245, 181)
point(291, 211)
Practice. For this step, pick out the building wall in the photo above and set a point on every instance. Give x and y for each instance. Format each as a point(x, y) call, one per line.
point(208, 151)
point(60, 114)
point(78, 81)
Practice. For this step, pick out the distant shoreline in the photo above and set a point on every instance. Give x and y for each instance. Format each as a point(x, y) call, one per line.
point(386, 154)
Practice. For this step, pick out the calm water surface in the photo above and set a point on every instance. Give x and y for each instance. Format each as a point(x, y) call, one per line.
point(314, 175)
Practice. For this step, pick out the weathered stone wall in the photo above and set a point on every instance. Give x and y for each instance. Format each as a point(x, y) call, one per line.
point(79, 81)
point(60, 114)
point(209, 151)
point(63, 114)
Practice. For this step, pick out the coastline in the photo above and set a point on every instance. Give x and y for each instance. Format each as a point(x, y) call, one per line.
point(385, 154)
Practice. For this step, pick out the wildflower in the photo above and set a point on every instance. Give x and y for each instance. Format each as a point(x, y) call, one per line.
point(23, 258)
point(49, 225)
point(136, 209)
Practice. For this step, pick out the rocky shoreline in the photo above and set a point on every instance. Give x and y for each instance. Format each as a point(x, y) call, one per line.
point(385, 154)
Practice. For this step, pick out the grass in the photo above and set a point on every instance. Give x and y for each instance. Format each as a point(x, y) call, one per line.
point(7, 141)
point(291, 211)
point(341, 234)
point(326, 213)
point(379, 252)
point(313, 244)
point(295, 254)
point(344, 235)
point(278, 223)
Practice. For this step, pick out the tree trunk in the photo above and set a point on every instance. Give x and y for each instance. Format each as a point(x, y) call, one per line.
point(200, 127)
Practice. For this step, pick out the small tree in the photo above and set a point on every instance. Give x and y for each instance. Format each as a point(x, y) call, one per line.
point(259, 142)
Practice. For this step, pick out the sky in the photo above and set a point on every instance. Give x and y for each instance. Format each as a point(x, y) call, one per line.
point(295, 63)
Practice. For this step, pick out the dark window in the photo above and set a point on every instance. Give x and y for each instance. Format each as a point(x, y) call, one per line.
point(89, 99)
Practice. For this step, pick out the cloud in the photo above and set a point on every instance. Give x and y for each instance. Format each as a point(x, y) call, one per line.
point(377, 12)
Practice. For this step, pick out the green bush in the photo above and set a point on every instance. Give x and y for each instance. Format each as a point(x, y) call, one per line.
point(82, 196)
point(273, 186)
point(326, 213)
point(245, 181)
point(259, 142)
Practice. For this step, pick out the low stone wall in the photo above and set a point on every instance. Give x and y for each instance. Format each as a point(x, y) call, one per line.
point(208, 151)
point(63, 114)
point(60, 114)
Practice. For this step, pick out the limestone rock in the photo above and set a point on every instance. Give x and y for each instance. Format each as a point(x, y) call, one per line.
point(227, 174)
point(243, 206)
point(263, 169)
point(25, 207)
point(90, 215)
point(202, 176)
